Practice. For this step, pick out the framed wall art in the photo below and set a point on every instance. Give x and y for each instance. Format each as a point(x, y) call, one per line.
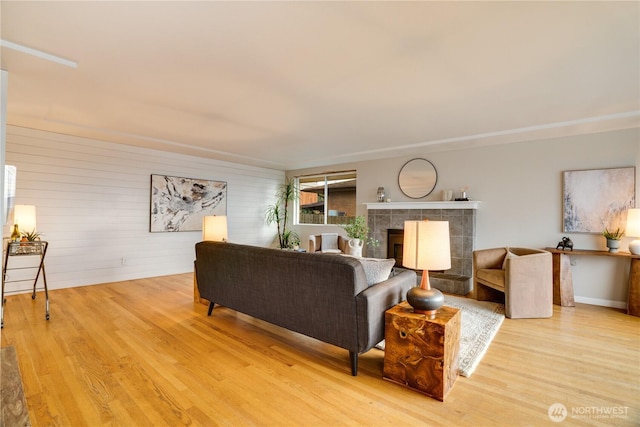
point(178, 204)
point(597, 198)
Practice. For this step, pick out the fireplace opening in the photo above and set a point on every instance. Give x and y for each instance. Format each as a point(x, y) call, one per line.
point(395, 240)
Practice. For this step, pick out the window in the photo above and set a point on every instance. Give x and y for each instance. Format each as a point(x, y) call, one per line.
point(326, 199)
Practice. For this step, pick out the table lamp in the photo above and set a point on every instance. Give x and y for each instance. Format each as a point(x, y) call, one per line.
point(24, 216)
point(633, 230)
point(214, 228)
point(426, 247)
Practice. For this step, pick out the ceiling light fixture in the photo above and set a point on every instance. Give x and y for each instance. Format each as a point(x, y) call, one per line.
point(38, 53)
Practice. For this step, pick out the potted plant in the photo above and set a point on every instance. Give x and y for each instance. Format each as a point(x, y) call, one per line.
point(278, 213)
point(30, 236)
point(292, 240)
point(358, 232)
point(613, 238)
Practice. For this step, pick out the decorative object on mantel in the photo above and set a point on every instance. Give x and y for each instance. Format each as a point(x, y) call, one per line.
point(613, 238)
point(565, 243)
point(591, 195)
point(381, 195)
point(358, 232)
point(633, 230)
point(463, 195)
point(426, 247)
point(447, 195)
point(417, 178)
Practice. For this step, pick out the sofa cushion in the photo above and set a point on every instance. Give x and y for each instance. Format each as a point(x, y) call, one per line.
point(509, 255)
point(376, 270)
point(330, 243)
point(491, 277)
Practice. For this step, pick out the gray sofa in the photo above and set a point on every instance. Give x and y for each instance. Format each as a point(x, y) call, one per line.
point(322, 296)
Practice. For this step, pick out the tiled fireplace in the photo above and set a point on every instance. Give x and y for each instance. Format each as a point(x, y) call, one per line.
point(383, 217)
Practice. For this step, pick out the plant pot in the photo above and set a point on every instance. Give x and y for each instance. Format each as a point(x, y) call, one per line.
point(613, 245)
point(354, 247)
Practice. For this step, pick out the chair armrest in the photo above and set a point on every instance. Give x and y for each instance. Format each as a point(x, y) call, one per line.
point(488, 258)
point(314, 245)
point(529, 285)
point(343, 242)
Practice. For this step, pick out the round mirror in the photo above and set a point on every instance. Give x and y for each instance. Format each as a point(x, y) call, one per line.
point(417, 178)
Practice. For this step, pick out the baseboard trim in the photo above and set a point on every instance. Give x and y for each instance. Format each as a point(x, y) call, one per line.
point(601, 302)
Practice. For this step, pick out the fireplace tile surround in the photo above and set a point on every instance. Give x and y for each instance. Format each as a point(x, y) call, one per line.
point(462, 225)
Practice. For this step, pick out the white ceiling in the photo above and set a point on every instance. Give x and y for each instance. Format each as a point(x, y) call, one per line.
point(287, 85)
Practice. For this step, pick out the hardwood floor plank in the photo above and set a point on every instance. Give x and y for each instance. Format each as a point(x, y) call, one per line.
point(142, 353)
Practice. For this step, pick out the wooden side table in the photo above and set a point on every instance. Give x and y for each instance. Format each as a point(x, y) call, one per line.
point(422, 353)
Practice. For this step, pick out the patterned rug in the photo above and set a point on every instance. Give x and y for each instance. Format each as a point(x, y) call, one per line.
point(14, 410)
point(480, 322)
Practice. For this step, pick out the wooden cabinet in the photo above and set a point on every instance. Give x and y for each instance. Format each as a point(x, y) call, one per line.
point(421, 352)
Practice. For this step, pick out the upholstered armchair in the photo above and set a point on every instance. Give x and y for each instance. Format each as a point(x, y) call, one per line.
point(328, 243)
point(522, 278)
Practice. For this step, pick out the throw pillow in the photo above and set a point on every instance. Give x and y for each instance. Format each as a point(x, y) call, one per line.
point(509, 255)
point(377, 270)
point(329, 243)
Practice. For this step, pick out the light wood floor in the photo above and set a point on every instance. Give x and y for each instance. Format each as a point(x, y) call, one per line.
point(141, 353)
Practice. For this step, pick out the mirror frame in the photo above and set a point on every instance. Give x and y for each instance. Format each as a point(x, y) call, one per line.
point(417, 178)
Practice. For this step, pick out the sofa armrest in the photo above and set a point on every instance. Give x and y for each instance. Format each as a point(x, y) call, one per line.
point(374, 301)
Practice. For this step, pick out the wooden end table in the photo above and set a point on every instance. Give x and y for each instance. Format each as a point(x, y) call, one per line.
point(422, 353)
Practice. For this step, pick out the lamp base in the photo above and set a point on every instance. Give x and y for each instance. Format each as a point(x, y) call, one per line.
point(425, 301)
point(634, 247)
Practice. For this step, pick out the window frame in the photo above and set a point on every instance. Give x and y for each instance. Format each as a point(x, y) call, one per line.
point(326, 176)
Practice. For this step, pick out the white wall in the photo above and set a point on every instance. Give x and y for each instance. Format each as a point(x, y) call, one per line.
point(520, 187)
point(92, 199)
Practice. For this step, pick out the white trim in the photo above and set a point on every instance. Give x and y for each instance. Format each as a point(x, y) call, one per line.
point(423, 205)
point(601, 302)
point(38, 53)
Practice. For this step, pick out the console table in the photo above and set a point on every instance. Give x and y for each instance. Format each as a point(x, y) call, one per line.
point(563, 282)
point(18, 249)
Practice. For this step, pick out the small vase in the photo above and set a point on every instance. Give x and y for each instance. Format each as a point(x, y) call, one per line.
point(354, 247)
point(613, 245)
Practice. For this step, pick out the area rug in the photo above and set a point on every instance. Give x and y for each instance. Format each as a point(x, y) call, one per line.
point(480, 322)
point(14, 410)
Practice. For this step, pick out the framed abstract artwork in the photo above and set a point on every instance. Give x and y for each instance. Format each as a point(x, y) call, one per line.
point(597, 198)
point(178, 204)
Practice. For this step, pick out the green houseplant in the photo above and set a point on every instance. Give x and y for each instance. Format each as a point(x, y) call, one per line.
point(278, 213)
point(358, 229)
point(30, 236)
point(613, 238)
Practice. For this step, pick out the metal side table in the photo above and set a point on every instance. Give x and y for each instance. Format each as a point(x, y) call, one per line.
point(21, 249)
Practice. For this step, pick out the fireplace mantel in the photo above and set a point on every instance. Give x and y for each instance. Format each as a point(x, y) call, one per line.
point(424, 205)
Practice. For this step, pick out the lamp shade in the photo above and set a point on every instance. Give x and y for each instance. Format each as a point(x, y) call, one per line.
point(426, 245)
point(633, 223)
point(633, 230)
point(25, 217)
point(214, 228)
